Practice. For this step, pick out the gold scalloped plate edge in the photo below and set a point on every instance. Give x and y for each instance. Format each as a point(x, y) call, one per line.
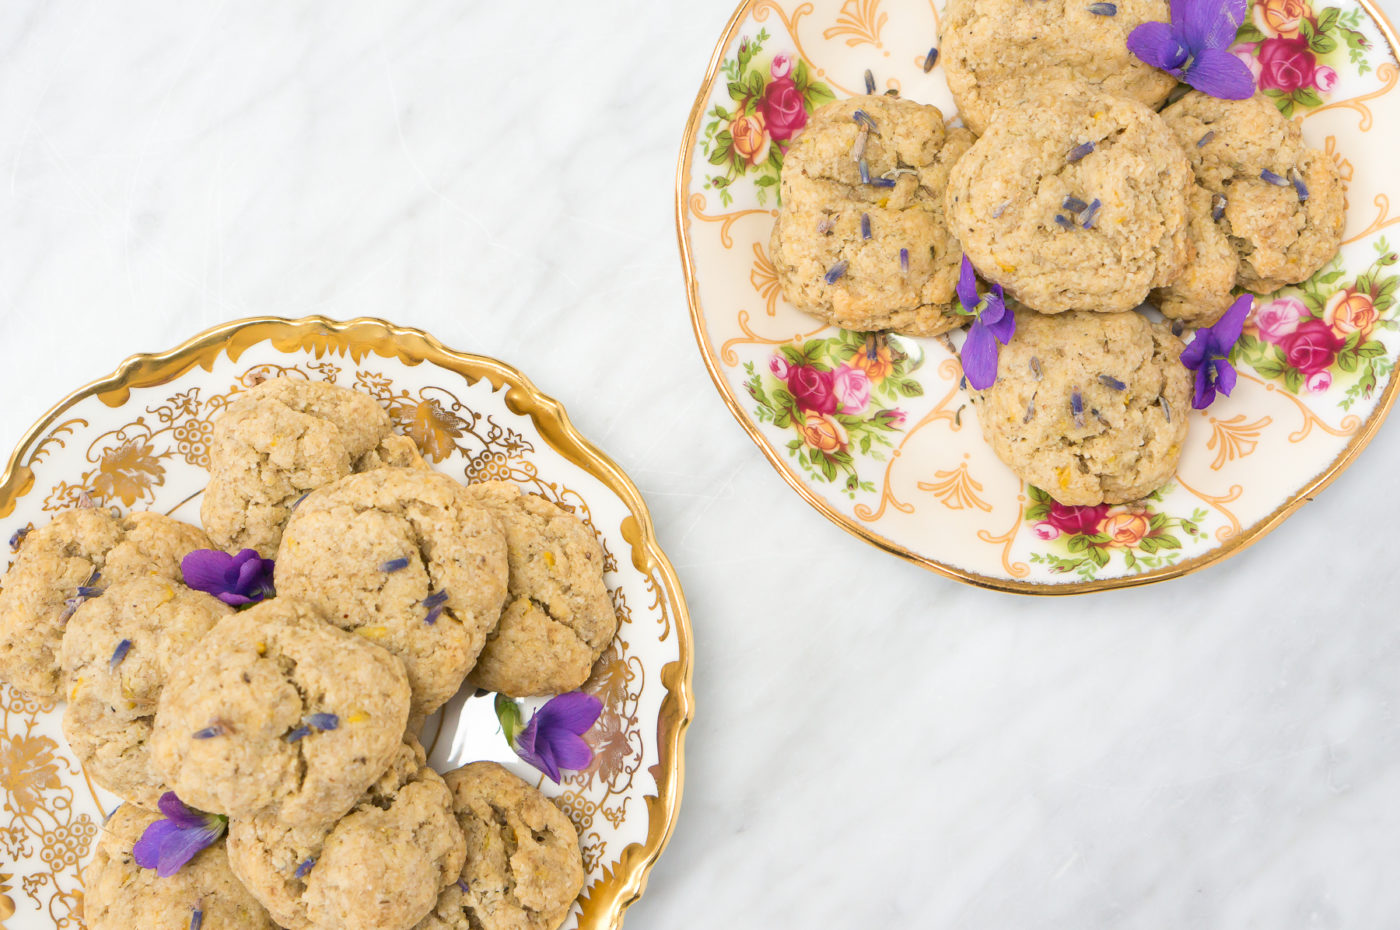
point(1236, 544)
point(608, 901)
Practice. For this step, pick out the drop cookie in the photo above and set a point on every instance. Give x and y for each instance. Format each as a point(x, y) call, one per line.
point(120, 895)
point(284, 438)
point(1091, 408)
point(523, 868)
point(118, 651)
point(996, 51)
point(380, 867)
point(276, 711)
point(408, 560)
point(1283, 203)
point(1201, 294)
point(558, 617)
point(1074, 200)
point(62, 564)
point(861, 239)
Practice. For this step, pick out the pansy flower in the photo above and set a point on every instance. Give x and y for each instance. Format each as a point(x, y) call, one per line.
point(178, 837)
point(1195, 47)
point(237, 580)
point(1208, 355)
point(993, 324)
point(553, 739)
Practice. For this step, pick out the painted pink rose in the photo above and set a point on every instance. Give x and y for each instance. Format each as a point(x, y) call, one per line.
point(1045, 530)
point(779, 366)
point(782, 65)
point(1072, 520)
point(1319, 381)
point(852, 389)
point(811, 388)
point(1325, 79)
point(783, 109)
point(1278, 318)
point(1245, 52)
point(1312, 347)
point(1286, 64)
point(895, 416)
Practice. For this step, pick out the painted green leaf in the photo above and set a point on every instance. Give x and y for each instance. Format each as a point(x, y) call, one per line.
point(1307, 96)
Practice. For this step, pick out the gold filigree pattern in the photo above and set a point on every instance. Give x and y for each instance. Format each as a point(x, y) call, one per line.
point(1388, 73)
point(752, 338)
point(764, 278)
point(860, 21)
point(956, 489)
point(1006, 541)
point(1232, 529)
point(1382, 220)
point(725, 220)
point(1235, 438)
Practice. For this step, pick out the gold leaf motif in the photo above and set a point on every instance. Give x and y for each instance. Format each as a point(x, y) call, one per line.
point(27, 770)
point(861, 21)
point(1235, 438)
point(764, 278)
point(956, 489)
point(128, 472)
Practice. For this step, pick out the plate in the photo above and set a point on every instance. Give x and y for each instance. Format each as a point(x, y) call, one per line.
point(138, 439)
point(910, 473)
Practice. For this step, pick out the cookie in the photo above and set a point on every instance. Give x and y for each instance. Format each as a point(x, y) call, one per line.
point(120, 895)
point(61, 564)
point(995, 51)
point(1201, 294)
point(380, 867)
point(877, 255)
point(1074, 200)
point(278, 441)
point(408, 560)
point(1091, 408)
point(118, 651)
point(1284, 203)
point(523, 868)
point(276, 711)
point(558, 618)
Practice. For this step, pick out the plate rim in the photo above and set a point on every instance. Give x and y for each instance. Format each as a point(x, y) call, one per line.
point(1224, 550)
point(360, 337)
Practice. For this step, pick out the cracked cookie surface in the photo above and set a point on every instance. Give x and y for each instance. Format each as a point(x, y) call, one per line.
point(558, 617)
point(118, 651)
point(244, 723)
point(408, 560)
point(85, 548)
point(120, 895)
point(278, 441)
point(1074, 200)
point(994, 51)
point(1122, 438)
point(1284, 229)
point(380, 867)
point(1201, 294)
point(827, 211)
point(523, 868)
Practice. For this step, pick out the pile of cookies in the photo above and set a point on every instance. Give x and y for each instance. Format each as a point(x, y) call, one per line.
point(1087, 184)
point(295, 718)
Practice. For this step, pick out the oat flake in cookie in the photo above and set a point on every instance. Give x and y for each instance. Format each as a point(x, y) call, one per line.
point(523, 868)
point(120, 895)
point(118, 651)
point(70, 560)
point(408, 560)
point(558, 617)
point(994, 51)
point(278, 441)
point(1282, 204)
point(1089, 407)
point(380, 867)
point(276, 711)
point(1074, 200)
point(861, 241)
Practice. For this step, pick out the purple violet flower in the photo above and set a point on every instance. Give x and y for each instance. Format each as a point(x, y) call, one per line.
point(993, 324)
point(1208, 355)
point(174, 840)
point(237, 580)
point(1195, 47)
point(553, 739)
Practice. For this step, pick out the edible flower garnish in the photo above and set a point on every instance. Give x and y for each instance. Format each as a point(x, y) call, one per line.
point(237, 580)
point(196, 919)
point(119, 654)
point(304, 869)
point(930, 60)
point(993, 324)
point(394, 565)
point(1208, 355)
point(553, 739)
point(178, 837)
point(1195, 47)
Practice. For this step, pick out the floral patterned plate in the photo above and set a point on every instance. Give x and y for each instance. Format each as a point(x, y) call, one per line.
point(137, 440)
point(901, 462)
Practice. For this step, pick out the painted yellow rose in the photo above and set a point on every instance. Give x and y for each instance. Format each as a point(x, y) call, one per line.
point(823, 433)
point(750, 137)
point(1280, 17)
point(1125, 528)
point(1350, 311)
point(877, 368)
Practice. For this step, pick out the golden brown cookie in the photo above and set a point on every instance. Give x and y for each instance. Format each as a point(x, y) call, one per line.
point(1201, 294)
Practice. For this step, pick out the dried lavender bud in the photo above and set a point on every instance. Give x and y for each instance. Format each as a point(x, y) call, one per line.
point(1079, 151)
point(996, 214)
point(1166, 408)
point(825, 225)
point(394, 565)
point(865, 225)
point(1112, 382)
point(1076, 406)
point(1030, 411)
point(1074, 204)
point(904, 260)
point(864, 169)
point(1064, 221)
point(1103, 9)
point(1036, 371)
point(1296, 177)
point(863, 119)
point(1205, 139)
point(930, 60)
point(1274, 179)
point(1090, 214)
point(837, 270)
point(1217, 206)
point(869, 82)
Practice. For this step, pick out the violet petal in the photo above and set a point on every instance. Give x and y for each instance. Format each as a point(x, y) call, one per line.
point(204, 569)
point(1195, 352)
point(979, 357)
point(1228, 328)
point(177, 812)
point(146, 851)
point(967, 285)
point(1224, 377)
point(574, 712)
point(1210, 24)
point(1219, 73)
point(184, 845)
point(1157, 45)
point(571, 752)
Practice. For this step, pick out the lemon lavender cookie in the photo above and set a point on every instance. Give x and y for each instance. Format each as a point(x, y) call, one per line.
point(1201, 293)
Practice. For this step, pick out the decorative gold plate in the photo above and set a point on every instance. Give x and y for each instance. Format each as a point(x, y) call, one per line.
point(137, 440)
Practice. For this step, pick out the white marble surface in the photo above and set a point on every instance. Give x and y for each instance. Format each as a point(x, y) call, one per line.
point(874, 745)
